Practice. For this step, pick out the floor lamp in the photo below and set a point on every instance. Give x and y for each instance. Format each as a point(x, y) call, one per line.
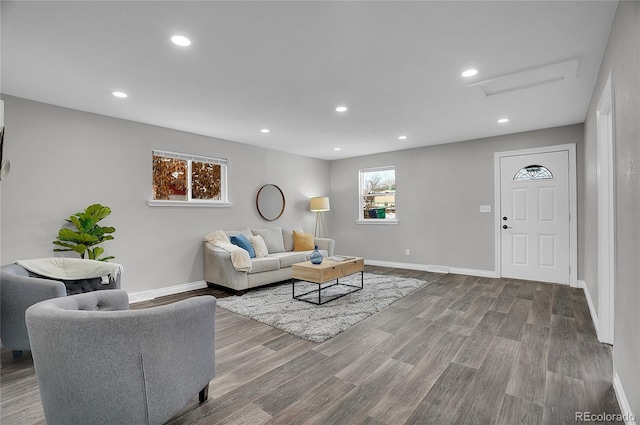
point(319, 205)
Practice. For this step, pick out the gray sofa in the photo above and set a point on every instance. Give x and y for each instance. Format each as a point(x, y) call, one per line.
point(99, 363)
point(20, 288)
point(219, 269)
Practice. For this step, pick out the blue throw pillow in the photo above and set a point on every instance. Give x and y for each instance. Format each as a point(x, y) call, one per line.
point(243, 242)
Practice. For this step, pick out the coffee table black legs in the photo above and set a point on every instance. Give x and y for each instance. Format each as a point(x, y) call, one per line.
point(320, 301)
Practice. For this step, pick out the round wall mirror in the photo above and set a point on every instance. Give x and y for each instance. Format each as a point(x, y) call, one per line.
point(270, 202)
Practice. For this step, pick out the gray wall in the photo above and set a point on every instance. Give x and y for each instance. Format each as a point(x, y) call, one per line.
point(64, 160)
point(622, 59)
point(439, 193)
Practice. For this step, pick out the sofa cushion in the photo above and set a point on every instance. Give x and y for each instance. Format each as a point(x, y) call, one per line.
point(302, 241)
point(289, 258)
point(259, 246)
point(246, 231)
point(287, 236)
point(243, 242)
point(264, 264)
point(272, 238)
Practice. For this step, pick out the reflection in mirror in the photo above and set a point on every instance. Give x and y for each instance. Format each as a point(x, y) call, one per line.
point(270, 202)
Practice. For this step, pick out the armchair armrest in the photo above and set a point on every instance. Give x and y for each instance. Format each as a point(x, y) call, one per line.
point(186, 332)
point(19, 293)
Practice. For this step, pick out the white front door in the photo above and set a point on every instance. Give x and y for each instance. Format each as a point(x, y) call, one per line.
point(534, 216)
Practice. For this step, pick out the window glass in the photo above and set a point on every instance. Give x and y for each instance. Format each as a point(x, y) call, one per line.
point(190, 178)
point(206, 180)
point(378, 193)
point(533, 172)
point(169, 178)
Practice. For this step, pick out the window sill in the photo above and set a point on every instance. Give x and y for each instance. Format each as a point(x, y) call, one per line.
point(201, 204)
point(378, 221)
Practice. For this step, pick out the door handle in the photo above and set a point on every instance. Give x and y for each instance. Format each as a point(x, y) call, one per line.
point(507, 227)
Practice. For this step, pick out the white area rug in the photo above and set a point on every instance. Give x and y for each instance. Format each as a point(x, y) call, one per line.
point(275, 306)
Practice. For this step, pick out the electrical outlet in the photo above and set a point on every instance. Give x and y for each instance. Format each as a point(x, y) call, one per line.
point(407, 251)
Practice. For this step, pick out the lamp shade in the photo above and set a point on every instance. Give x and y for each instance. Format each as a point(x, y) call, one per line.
point(319, 204)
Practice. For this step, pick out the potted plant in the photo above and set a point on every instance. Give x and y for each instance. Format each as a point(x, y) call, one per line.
point(88, 233)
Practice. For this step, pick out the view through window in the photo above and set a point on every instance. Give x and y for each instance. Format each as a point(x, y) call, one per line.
point(378, 193)
point(188, 178)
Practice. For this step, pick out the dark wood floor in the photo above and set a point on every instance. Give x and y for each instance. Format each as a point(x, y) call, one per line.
point(460, 350)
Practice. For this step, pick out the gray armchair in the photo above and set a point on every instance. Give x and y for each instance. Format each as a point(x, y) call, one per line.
point(99, 363)
point(19, 289)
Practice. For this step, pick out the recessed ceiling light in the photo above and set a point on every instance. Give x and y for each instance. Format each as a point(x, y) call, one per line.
point(337, 149)
point(503, 120)
point(402, 137)
point(469, 72)
point(119, 94)
point(341, 109)
point(180, 40)
point(265, 130)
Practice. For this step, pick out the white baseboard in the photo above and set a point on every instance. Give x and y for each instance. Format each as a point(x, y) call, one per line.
point(623, 402)
point(437, 269)
point(136, 297)
point(594, 316)
point(432, 268)
point(474, 272)
point(629, 417)
point(393, 264)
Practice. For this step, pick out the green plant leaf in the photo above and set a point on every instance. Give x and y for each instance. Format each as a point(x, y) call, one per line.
point(77, 237)
point(88, 233)
point(87, 223)
point(73, 219)
point(97, 212)
point(95, 252)
point(80, 249)
point(66, 245)
point(110, 257)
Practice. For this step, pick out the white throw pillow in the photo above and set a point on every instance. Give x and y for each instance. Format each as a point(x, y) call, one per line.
point(259, 246)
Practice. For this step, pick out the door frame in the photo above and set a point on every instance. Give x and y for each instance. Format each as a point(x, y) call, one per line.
point(573, 205)
point(606, 214)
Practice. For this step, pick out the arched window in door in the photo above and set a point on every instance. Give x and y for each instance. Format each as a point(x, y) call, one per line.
point(533, 172)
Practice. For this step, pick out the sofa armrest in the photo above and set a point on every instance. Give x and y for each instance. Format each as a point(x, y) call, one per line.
point(326, 244)
point(219, 269)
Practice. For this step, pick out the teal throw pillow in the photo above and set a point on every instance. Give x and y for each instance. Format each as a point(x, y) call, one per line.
point(243, 242)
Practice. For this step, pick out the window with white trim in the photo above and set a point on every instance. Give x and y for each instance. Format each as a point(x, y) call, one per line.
point(378, 194)
point(184, 178)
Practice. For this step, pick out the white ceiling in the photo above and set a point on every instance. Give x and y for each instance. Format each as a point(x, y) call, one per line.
point(287, 65)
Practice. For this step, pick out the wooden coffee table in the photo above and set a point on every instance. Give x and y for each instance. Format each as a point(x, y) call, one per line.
point(327, 271)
